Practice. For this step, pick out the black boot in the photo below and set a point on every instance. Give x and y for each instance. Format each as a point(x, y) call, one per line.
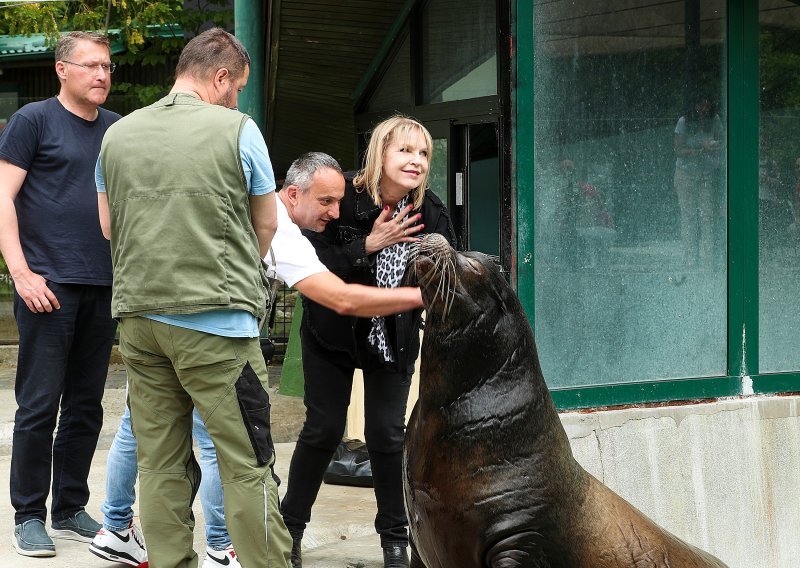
point(297, 556)
point(395, 557)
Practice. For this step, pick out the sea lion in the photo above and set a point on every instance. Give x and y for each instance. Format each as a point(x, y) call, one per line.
point(488, 472)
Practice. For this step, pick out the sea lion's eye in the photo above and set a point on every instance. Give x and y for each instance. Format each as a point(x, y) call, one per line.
point(474, 265)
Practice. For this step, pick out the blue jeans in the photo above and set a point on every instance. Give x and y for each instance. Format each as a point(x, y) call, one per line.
point(121, 478)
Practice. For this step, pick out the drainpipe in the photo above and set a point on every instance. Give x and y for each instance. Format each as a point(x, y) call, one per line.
point(250, 22)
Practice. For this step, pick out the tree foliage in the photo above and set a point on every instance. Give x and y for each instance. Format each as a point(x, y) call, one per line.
point(136, 22)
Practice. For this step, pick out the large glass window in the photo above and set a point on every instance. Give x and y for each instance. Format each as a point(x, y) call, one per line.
point(9, 103)
point(437, 175)
point(630, 189)
point(459, 59)
point(394, 89)
point(779, 186)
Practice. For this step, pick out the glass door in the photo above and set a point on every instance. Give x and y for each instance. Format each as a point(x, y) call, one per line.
point(476, 188)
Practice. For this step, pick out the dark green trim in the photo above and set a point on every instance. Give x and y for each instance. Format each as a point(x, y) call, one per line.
point(638, 393)
point(383, 51)
point(468, 111)
point(522, 121)
point(273, 52)
point(743, 113)
point(777, 383)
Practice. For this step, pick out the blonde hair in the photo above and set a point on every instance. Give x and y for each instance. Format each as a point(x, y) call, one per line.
point(397, 127)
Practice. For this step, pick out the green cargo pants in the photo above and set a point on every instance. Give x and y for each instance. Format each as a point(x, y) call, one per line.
point(170, 371)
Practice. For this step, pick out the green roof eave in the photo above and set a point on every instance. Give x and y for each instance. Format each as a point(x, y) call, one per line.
point(35, 47)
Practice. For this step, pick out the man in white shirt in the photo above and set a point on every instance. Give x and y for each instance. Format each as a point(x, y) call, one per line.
point(310, 198)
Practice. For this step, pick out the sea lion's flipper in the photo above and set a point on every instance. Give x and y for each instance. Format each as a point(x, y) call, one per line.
point(415, 561)
point(518, 551)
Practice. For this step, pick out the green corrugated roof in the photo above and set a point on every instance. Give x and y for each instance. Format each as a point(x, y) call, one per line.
point(35, 46)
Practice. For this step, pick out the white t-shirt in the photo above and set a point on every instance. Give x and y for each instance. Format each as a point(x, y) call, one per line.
point(295, 257)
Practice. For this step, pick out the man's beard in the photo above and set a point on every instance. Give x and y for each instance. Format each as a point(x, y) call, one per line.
point(226, 99)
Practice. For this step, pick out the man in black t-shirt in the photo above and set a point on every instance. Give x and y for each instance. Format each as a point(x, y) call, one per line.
point(61, 265)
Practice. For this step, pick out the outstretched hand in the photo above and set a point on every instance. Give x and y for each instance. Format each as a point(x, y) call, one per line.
point(387, 231)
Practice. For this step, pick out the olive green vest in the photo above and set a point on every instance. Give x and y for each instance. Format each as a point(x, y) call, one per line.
point(182, 241)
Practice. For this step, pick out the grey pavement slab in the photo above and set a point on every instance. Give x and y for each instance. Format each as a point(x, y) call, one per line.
point(341, 533)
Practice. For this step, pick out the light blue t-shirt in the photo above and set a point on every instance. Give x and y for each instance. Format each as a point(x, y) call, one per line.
point(260, 181)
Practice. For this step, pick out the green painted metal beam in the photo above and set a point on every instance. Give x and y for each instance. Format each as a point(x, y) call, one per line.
point(250, 25)
point(646, 392)
point(743, 119)
point(777, 383)
point(522, 169)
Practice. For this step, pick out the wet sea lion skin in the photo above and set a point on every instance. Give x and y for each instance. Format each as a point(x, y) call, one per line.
point(488, 472)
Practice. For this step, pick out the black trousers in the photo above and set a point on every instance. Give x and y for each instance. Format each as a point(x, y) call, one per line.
point(63, 363)
point(328, 382)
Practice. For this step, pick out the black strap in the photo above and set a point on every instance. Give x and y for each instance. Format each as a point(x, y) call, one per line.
point(274, 284)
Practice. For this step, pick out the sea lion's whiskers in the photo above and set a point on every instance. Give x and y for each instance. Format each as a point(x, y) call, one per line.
point(443, 268)
point(448, 278)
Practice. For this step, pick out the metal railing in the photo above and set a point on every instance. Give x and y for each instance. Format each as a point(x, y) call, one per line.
point(280, 327)
point(281, 323)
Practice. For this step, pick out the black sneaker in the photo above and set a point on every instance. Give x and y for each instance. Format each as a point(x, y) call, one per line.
point(80, 527)
point(31, 539)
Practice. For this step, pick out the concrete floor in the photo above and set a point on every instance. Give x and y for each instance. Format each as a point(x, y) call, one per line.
point(340, 535)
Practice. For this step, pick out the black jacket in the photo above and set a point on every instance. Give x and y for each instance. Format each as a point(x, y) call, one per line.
point(341, 248)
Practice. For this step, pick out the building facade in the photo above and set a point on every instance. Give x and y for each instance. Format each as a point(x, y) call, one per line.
point(635, 167)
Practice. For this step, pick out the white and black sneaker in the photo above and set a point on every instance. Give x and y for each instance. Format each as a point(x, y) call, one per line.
point(121, 546)
point(219, 558)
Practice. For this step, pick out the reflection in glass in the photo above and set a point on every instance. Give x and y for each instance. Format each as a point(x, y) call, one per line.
point(484, 189)
point(9, 103)
point(630, 190)
point(459, 54)
point(698, 143)
point(437, 175)
point(779, 186)
point(394, 90)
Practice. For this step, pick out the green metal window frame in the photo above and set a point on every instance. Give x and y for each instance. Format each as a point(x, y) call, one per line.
point(743, 128)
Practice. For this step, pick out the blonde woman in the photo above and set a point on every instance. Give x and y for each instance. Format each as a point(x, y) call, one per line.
point(386, 208)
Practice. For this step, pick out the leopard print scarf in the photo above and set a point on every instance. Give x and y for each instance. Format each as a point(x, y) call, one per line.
point(389, 269)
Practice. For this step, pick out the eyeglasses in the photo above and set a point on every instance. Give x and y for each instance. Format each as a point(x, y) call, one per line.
point(95, 67)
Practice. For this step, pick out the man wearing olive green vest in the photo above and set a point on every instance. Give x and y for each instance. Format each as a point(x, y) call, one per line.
point(189, 218)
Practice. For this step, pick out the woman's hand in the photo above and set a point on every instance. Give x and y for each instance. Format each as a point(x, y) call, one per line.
point(387, 231)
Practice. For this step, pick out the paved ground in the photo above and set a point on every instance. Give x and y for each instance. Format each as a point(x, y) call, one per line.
point(341, 533)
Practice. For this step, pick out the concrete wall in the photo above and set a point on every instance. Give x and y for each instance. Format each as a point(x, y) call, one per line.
point(724, 476)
